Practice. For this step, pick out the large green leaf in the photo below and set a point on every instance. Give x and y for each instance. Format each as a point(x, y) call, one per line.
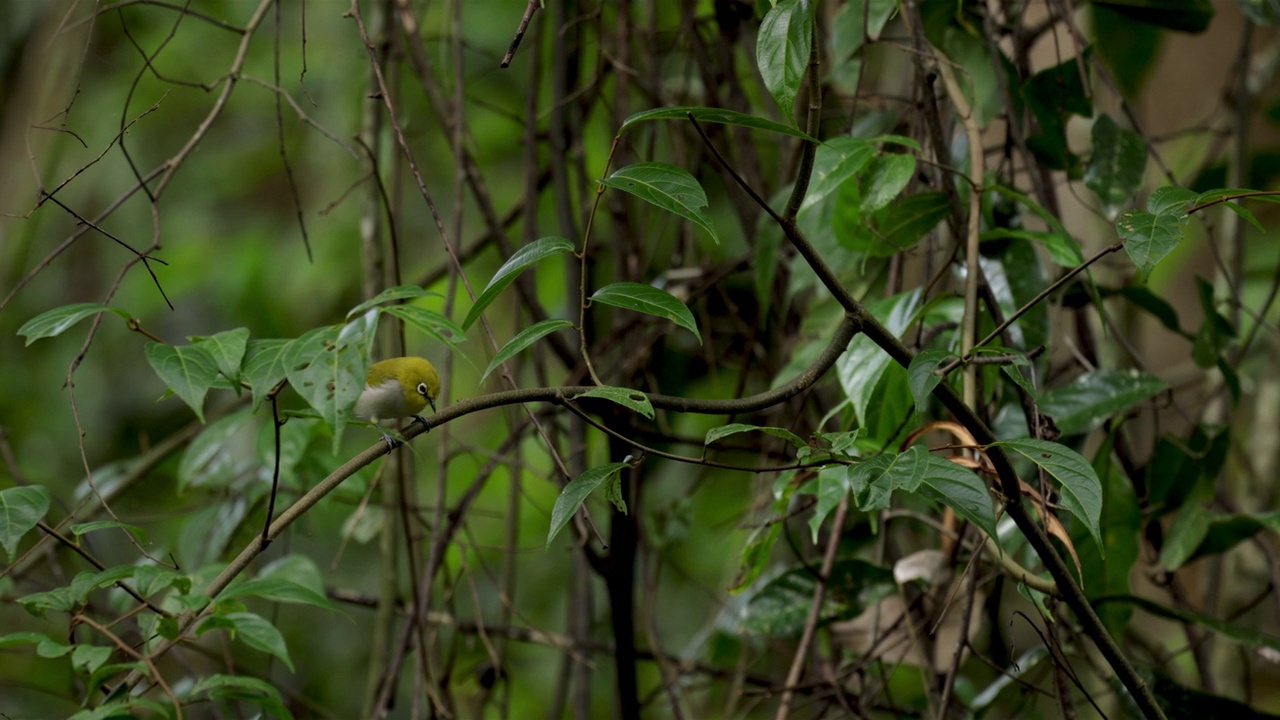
point(251, 629)
point(860, 367)
point(575, 493)
point(1151, 235)
point(835, 161)
point(671, 188)
point(920, 375)
point(780, 608)
point(20, 509)
point(428, 321)
point(1122, 524)
point(240, 688)
point(54, 322)
point(649, 300)
point(327, 373)
point(227, 350)
point(188, 370)
point(263, 367)
point(535, 251)
point(1090, 399)
point(630, 399)
point(1081, 488)
point(393, 294)
point(960, 489)
point(1115, 168)
point(782, 50)
point(723, 431)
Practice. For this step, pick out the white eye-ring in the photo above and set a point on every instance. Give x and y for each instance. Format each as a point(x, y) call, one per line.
point(422, 389)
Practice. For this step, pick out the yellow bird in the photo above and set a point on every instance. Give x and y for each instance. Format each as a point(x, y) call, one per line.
point(397, 388)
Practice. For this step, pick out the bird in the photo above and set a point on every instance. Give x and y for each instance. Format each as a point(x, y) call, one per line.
point(397, 388)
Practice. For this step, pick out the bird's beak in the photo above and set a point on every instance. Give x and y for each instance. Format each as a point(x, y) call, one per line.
point(432, 403)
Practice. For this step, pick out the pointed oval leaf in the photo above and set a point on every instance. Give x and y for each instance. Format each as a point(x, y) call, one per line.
point(671, 188)
point(724, 431)
point(524, 339)
point(1090, 399)
point(530, 254)
point(20, 510)
point(885, 177)
point(399, 292)
point(960, 489)
point(258, 633)
point(573, 495)
point(714, 115)
point(1115, 168)
point(835, 161)
point(833, 483)
point(649, 300)
point(1081, 488)
point(327, 373)
point(226, 348)
point(54, 322)
point(430, 322)
point(631, 399)
point(263, 366)
point(188, 370)
point(782, 51)
point(920, 375)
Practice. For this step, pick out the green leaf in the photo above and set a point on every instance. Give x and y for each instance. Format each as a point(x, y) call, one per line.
point(226, 348)
point(1054, 94)
point(188, 370)
point(530, 254)
point(524, 339)
point(1240, 634)
point(1063, 248)
point(214, 458)
point(263, 367)
point(920, 375)
point(755, 555)
point(1093, 397)
point(782, 51)
point(884, 177)
point(327, 373)
point(394, 294)
point(1150, 237)
point(1215, 331)
point(573, 495)
point(1081, 488)
point(1121, 531)
point(713, 115)
point(835, 161)
point(781, 608)
point(81, 529)
point(88, 658)
point(631, 399)
point(248, 689)
point(671, 188)
point(833, 485)
point(279, 590)
point(52, 323)
point(21, 508)
point(895, 228)
point(723, 431)
point(649, 300)
point(1170, 199)
point(432, 323)
point(960, 489)
point(1211, 533)
point(1115, 168)
point(860, 367)
point(253, 630)
point(875, 480)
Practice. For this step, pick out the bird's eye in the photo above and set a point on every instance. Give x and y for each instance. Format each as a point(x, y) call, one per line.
point(422, 389)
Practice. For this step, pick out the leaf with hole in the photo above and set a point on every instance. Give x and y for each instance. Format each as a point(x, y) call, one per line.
point(1081, 488)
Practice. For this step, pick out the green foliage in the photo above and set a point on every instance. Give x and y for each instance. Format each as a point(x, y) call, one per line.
point(649, 300)
point(665, 186)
